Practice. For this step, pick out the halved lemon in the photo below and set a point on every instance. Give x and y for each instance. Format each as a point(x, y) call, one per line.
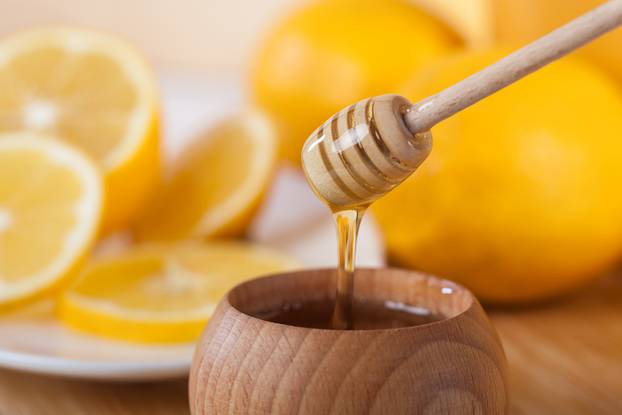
point(50, 207)
point(93, 91)
point(162, 293)
point(218, 182)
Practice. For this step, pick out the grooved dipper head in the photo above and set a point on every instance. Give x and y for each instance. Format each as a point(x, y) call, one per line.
point(363, 152)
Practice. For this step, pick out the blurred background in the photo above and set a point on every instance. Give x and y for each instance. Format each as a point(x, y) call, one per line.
point(206, 36)
point(519, 200)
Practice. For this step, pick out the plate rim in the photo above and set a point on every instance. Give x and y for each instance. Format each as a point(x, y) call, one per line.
point(93, 370)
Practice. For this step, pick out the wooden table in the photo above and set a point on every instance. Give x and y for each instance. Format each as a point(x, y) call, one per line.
point(22, 394)
point(565, 358)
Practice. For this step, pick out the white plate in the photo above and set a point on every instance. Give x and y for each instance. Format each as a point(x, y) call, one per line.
point(292, 220)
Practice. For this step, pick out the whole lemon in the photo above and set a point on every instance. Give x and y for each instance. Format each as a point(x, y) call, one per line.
point(523, 21)
point(520, 198)
point(333, 53)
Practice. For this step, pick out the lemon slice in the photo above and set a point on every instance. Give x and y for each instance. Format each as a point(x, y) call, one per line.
point(50, 206)
point(218, 183)
point(92, 91)
point(162, 293)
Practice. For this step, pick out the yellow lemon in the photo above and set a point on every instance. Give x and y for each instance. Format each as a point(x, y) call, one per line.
point(523, 21)
point(519, 199)
point(333, 53)
point(469, 18)
point(162, 293)
point(92, 91)
point(50, 207)
point(217, 184)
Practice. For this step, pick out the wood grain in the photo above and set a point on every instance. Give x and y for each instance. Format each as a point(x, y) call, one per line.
point(251, 366)
point(24, 394)
point(564, 358)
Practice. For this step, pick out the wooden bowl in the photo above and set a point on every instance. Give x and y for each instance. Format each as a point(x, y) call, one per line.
point(245, 365)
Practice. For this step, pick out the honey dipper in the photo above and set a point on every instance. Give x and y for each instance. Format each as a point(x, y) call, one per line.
point(365, 150)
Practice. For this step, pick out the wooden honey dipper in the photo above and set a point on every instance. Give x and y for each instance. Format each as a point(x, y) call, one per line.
point(365, 150)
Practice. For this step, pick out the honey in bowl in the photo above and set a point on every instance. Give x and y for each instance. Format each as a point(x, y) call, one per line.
point(365, 315)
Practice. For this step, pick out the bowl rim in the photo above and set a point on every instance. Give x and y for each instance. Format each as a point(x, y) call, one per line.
point(472, 300)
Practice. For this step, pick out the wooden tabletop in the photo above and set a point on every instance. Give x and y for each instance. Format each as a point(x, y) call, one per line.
point(22, 394)
point(565, 358)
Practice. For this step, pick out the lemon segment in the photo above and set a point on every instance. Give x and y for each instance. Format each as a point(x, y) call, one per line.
point(162, 293)
point(218, 183)
point(50, 207)
point(93, 91)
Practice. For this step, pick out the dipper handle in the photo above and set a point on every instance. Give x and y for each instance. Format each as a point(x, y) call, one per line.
point(585, 28)
point(364, 151)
